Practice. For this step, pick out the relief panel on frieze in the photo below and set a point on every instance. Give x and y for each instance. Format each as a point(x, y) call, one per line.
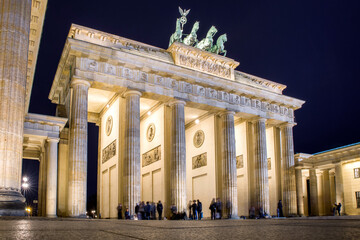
point(109, 151)
point(269, 163)
point(199, 161)
point(240, 161)
point(151, 156)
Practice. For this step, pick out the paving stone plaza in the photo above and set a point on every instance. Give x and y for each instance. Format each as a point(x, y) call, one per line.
point(295, 228)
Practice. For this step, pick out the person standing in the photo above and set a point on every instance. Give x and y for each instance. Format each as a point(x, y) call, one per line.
point(119, 209)
point(189, 207)
point(159, 209)
point(339, 208)
point(219, 208)
point(153, 211)
point(142, 210)
point(280, 209)
point(334, 209)
point(147, 211)
point(213, 209)
point(199, 209)
point(127, 214)
point(137, 210)
point(194, 210)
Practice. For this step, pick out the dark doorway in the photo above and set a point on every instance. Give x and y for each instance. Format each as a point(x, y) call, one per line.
point(308, 196)
point(30, 183)
point(93, 139)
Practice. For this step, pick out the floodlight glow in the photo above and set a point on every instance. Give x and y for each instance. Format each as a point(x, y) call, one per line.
point(197, 121)
point(25, 185)
point(149, 113)
point(25, 179)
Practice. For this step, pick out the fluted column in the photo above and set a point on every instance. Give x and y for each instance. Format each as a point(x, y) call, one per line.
point(51, 185)
point(261, 166)
point(326, 191)
point(178, 156)
point(289, 188)
point(132, 151)
point(339, 186)
point(299, 192)
point(78, 149)
point(229, 174)
point(313, 193)
point(14, 43)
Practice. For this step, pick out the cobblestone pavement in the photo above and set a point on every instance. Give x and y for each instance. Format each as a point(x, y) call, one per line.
point(65, 228)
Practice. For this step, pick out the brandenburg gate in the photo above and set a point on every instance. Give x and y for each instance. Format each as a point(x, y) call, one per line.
point(175, 125)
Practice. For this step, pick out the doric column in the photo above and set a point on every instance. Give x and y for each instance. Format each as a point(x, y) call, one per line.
point(339, 186)
point(40, 185)
point(78, 149)
point(314, 207)
point(132, 151)
point(229, 174)
point(326, 191)
point(289, 188)
point(178, 156)
point(261, 166)
point(51, 179)
point(299, 192)
point(14, 43)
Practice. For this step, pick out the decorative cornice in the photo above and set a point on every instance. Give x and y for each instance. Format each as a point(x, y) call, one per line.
point(38, 8)
point(199, 60)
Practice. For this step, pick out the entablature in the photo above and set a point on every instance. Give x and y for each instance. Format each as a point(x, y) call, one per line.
point(329, 158)
point(92, 55)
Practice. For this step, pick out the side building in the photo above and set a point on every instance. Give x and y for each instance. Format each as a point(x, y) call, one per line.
point(327, 178)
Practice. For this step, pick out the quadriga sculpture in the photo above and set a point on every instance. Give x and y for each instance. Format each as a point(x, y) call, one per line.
point(177, 35)
point(191, 39)
point(207, 42)
point(219, 47)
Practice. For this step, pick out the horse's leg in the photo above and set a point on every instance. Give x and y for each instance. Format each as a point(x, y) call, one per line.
point(224, 51)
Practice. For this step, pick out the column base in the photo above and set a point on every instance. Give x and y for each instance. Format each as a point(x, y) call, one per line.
point(12, 203)
point(51, 215)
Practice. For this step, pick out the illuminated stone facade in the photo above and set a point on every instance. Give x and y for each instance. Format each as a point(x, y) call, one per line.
point(174, 125)
point(329, 177)
point(178, 119)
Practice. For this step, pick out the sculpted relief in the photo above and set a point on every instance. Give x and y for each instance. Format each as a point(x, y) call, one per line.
point(108, 125)
point(109, 151)
point(150, 132)
point(240, 161)
point(205, 66)
point(199, 138)
point(199, 161)
point(151, 156)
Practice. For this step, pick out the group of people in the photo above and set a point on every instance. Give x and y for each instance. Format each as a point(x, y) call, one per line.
point(336, 208)
point(143, 211)
point(195, 210)
point(216, 209)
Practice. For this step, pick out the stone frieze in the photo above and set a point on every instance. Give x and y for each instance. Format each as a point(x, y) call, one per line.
point(109, 151)
point(151, 156)
point(240, 161)
point(185, 87)
point(199, 161)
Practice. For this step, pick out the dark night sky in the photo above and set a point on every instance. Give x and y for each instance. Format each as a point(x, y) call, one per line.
point(310, 46)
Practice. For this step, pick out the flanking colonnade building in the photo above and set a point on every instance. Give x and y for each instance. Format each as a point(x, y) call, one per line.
point(174, 125)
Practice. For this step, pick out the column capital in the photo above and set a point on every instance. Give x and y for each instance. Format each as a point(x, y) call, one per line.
point(258, 119)
point(226, 113)
point(132, 92)
point(52, 139)
point(287, 124)
point(177, 102)
point(77, 81)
